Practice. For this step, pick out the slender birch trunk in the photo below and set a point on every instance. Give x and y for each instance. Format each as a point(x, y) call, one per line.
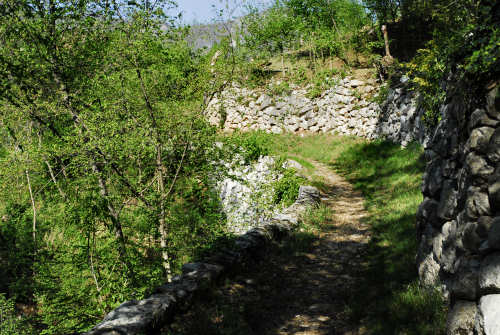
point(54, 180)
point(115, 220)
point(34, 209)
point(162, 220)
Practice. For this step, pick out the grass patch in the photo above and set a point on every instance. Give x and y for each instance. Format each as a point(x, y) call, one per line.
point(315, 217)
point(305, 164)
point(322, 148)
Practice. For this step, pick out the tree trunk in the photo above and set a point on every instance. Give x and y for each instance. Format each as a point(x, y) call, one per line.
point(386, 40)
point(162, 221)
point(161, 182)
point(34, 210)
point(115, 220)
point(283, 63)
point(53, 177)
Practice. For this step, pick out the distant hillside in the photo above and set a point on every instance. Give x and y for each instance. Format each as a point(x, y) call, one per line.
point(205, 35)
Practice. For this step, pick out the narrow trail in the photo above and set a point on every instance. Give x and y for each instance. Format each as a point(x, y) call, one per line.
point(296, 292)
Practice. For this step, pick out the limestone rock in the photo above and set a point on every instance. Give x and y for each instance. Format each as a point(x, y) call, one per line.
point(477, 203)
point(462, 318)
point(355, 83)
point(489, 314)
point(480, 118)
point(479, 139)
point(493, 102)
point(427, 211)
point(494, 189)
point(464, 285)
point(433, 178)
point(308, 195)
point(135, 317)
point(493, 150)
point(203, 270)
point(478, 166)
point(428, 270)
point(448, 201)
point(470, 238)
point(292, 164)
point(483, 226)
point(494, 233)
point(264, 101)
point(489, 274)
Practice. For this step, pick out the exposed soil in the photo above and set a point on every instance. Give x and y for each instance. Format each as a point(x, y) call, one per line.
point(302, 286)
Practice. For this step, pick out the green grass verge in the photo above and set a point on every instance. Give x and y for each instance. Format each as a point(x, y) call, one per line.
point(391, 301)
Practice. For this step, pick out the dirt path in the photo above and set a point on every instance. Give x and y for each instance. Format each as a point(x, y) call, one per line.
point(304, 292)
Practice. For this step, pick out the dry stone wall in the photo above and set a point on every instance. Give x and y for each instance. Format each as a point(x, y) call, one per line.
point(459, 219)
point(348, 108)
point(246, 194)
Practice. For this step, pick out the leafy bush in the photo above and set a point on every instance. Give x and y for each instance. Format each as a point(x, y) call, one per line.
point(271, 31)
point(10, 323)
point(251, 145)
point(286, 189)
point(326, 27)
point(281, 88)
point(117, 153)
point(427, 71)
point(16, 251)
point(458, 45)
point(382, 94)
point(323, 80)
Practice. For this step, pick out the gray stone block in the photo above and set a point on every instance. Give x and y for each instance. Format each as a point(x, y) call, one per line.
point(448, 201)
point(494, 189)
point(477, 203)
point(494, 233)
point(489, 274)
point(493, 150)
point(489, 315)
point(462, 318)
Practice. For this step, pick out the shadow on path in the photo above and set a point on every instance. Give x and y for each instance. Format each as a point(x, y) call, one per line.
point(304, 285)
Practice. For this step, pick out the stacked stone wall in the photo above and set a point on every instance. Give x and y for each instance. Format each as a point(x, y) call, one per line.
point(459, 219)
point(347, 108)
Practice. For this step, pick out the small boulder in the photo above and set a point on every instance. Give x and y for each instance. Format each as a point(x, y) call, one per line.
point(308, 195)
point(264, 101)
point(448, 201)
point(493, 150)
point(494, 233)
point(494, 189)
point(489, 314)
point(489, 274)
point(478, 166)
point(461, 319)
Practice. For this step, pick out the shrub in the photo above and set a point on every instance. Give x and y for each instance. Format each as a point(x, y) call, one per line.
point(286, 189)
point(382, 94)
point(251, 145)
point(427, 71)
point(281, 88)
point(10, 323)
